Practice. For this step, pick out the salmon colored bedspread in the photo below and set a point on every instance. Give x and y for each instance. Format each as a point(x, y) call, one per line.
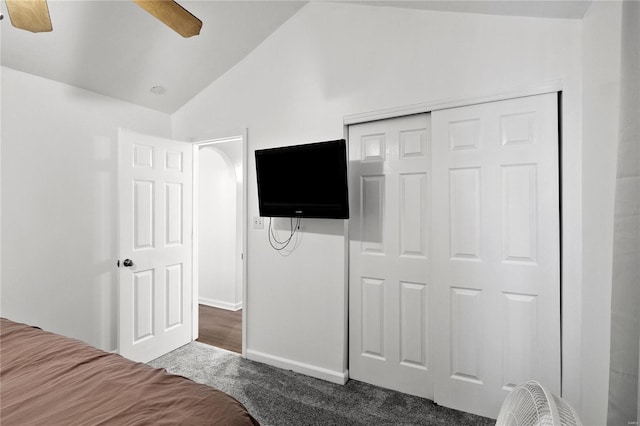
point(47, 379)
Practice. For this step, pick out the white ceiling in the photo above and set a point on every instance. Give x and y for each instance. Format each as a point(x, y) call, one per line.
point(562, 9)
point(115, 48)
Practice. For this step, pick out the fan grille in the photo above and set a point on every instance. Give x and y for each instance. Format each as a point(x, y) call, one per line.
point(531, 404)
point(527, 404)
point(568, 416)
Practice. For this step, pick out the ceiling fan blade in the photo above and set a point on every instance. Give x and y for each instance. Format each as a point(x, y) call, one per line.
point(173, 15)
point(30, 15)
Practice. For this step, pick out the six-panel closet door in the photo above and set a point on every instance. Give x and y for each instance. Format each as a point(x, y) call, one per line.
point(454, 286)
point(496, 250)
point(389, 291)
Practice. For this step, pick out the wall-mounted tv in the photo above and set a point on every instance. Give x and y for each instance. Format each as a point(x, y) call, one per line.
point(307, 180)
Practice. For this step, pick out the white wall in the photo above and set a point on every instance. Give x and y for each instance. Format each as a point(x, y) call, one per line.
point(218, 237)
point(332, 60)
point(59, 152)
point(625, 292)
point(600, 109)
point(233, 149)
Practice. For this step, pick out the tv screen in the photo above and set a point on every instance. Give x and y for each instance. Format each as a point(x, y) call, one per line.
point(303, 181)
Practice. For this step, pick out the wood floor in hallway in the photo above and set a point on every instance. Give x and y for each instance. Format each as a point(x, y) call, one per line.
point(221, 328)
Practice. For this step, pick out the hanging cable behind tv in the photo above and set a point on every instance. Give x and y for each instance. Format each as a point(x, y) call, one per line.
point(281, 245)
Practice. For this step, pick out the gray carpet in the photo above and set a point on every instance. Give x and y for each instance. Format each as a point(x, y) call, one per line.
point(279, 397)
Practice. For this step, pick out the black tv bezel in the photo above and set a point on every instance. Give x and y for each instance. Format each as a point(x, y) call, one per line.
point(313, 212)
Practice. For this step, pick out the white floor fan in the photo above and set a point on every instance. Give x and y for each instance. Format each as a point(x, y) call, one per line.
point(531, 404)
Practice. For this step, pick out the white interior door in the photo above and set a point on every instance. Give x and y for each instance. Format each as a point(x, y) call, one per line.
point(496, 241)
point(155, 214)
point(389, 290)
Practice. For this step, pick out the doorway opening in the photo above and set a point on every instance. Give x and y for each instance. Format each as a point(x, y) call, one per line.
point(219, 243)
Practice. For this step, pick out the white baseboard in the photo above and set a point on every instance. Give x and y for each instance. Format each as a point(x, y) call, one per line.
point(220, 304)
point(299, 367)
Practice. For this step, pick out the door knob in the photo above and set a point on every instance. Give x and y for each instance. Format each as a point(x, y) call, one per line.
point(128, 262)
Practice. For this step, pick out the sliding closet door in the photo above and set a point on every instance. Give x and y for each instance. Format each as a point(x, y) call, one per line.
point(389, 291)
point(495, 248)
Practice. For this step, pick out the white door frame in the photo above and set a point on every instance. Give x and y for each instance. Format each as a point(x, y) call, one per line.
point(570, 238)
point(196, 239)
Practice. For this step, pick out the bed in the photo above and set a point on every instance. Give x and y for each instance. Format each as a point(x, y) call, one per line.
point(54, 380)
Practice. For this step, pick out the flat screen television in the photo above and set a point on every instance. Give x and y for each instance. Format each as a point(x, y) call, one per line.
point(307, 180)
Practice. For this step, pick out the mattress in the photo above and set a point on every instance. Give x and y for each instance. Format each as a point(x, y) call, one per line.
point(49, 379)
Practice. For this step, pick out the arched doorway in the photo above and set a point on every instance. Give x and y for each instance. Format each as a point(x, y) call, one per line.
point(219, 239)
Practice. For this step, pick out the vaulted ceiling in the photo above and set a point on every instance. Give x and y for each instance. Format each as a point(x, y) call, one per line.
point(115, 48)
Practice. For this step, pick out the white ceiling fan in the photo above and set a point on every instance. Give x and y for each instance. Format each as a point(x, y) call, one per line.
point(33, 15)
